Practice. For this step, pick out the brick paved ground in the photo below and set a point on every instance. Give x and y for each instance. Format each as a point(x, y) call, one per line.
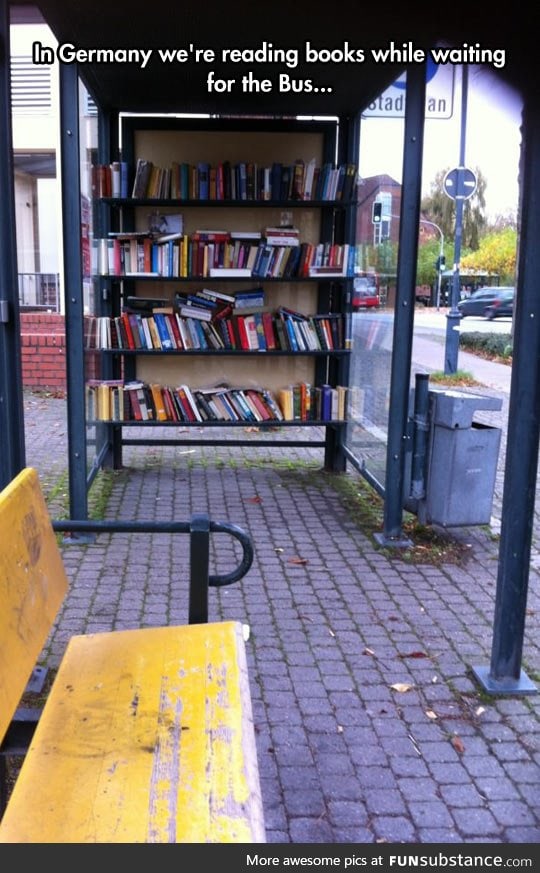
point(343, 756)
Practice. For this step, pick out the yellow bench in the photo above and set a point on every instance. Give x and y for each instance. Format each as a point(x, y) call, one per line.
point(146, 735)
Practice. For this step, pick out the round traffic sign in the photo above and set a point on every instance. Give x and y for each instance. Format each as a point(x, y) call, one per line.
point(459, 183)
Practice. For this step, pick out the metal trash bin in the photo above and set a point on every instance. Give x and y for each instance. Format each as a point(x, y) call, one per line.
point(462, 460)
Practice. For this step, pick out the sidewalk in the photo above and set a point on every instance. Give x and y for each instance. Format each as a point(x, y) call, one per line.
point(369, 726)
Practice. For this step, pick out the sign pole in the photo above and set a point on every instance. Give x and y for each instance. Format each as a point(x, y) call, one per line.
point(458, 184)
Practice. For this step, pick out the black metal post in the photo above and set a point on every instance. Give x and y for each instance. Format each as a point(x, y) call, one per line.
point(12, 446)
point(420, 436)
point(335, 458)
point(73, 293)
point(398, 432)
point(454, 316)
point(108, 437)
point(504, 675)
point(198, 581)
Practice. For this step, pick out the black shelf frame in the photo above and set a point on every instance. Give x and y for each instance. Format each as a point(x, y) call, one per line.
point(150, 277)
point(337, 222)
point(277, 353)
point(270, 423)
point(126, 202)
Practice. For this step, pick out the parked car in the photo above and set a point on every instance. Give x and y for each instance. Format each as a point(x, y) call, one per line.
point(479, 300)
point(502, 306)
point(365, 292)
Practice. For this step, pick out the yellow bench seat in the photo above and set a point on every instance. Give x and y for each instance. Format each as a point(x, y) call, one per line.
point(146, 735)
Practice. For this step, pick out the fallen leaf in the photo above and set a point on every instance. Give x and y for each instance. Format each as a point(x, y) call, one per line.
point(414, 655)
point(402, 687)
point(297, 560)
point(256, 499)
point(458, 745)
point(431, 714)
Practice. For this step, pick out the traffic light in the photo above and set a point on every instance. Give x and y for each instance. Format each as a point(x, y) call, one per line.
point(376, 212)
point(441, 263)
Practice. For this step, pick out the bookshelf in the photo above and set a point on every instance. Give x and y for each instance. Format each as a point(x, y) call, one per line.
point(251, 223)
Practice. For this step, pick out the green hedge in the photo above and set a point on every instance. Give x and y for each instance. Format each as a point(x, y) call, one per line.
point(497, 345)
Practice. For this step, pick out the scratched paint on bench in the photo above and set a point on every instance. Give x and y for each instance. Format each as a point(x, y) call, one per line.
point(147, 737)
point(33, 584)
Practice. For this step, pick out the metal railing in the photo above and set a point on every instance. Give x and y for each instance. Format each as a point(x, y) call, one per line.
point(199, 528)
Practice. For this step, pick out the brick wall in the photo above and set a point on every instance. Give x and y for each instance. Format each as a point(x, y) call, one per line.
point(43, 350)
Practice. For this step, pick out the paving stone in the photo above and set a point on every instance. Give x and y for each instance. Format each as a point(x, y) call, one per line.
point(342, 756)
point(432, 813)
point(476, 822)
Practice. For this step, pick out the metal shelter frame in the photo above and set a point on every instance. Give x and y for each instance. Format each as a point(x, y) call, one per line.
point(504, 674)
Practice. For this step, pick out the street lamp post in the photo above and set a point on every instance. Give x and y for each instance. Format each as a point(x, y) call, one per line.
point(441, 256)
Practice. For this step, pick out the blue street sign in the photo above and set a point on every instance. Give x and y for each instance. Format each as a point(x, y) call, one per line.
point(459, 183)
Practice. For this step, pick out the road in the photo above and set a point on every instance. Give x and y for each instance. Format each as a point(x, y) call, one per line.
point(433, 320)
point(429, 343)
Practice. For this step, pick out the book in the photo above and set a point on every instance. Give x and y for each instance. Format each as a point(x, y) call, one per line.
point(211, 235)
point(245, 234)
point(229, 272)
point(143, 304)
point(264, 412)
point(143, 171)
point(251, 332)
point(217, 295)
point(186, 408)
point(309, 177)
point(249, 299)
point(189, 310)
point(326, 403)
point(148, 340)
point(281, 233)
point(261, 336)
point(159, 404)
point(163, 331)
point(203, 177)
point(268, 328)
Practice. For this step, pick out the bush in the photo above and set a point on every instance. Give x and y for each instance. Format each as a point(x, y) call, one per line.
point(492, 345)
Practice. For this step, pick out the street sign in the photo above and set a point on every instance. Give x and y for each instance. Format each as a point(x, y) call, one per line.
point(459, 183)
point(439, 95)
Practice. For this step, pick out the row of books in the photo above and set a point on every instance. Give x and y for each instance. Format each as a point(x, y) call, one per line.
point(115, 400)
point(245, 181)
point(195, 256)
point(304, 402)
point(166, 330)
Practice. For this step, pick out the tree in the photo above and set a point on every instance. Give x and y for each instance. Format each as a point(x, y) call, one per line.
point(501, 221)
point(496, 254)
point(426, 267)
point(441, 209)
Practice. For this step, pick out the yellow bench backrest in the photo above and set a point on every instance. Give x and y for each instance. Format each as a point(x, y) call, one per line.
point(33, 584)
